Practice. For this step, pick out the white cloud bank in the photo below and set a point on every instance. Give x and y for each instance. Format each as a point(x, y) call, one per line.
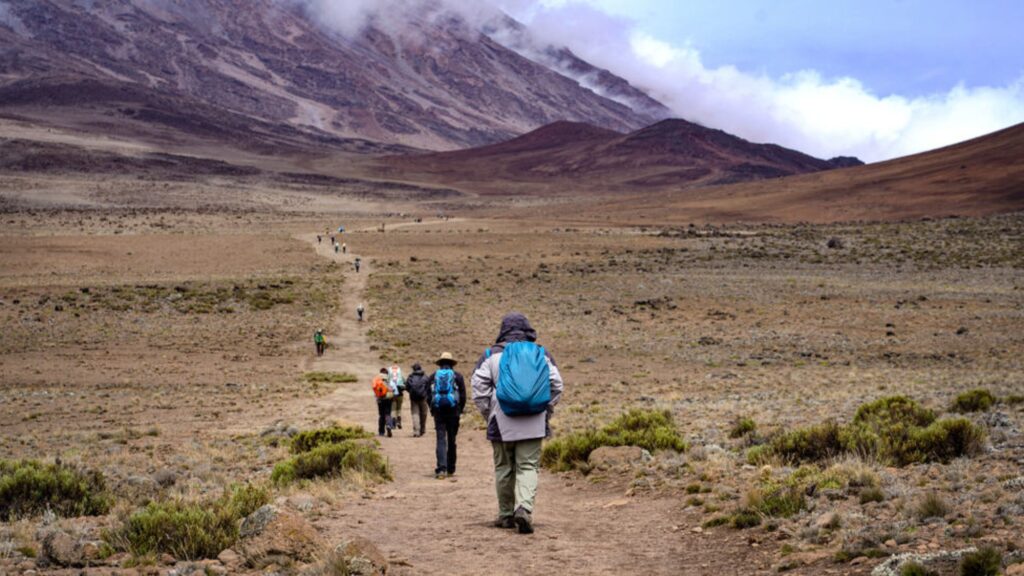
point(821, 116)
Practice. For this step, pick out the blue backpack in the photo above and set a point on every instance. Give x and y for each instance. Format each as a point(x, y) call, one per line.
point(445, 394)
point(524, 379)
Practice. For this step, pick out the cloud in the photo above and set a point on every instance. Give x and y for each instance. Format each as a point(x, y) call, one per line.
point(350, 17)
point(803, 110)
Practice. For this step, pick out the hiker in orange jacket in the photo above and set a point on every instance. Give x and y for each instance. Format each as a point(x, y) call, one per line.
point(383, 393)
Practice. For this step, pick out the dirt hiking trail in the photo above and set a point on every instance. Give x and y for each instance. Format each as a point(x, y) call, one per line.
point(430, 526)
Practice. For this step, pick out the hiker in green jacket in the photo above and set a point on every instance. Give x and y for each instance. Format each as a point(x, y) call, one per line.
point(320, 342)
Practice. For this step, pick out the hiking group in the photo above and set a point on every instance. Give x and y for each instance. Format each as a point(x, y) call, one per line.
point(515, 386)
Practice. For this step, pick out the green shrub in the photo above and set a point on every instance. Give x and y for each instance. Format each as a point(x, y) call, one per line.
point(331, 377)
point(742, 427)
point(883, 429)
point(188, 531)
point(717, 521)
point(309, 439)
point(759, 455)
point(978, 400)
point(931, 506)
point(985, 562)
point(914, 569)
point(1013, 400)
point(29, 487)
point(946, 439)
point(332, 460)
point(809, 444)
point(777, 499)
point(648, 429)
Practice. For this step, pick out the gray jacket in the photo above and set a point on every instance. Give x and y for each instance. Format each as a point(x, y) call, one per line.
point(502, 428)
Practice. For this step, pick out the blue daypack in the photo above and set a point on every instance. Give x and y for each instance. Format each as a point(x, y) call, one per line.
point(445, 394)
point(524, 379)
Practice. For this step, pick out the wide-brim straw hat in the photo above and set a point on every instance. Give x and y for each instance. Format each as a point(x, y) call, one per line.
point(447, 358)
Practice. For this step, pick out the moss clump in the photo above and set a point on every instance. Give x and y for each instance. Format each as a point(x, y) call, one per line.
point(743, 426)
point(332, 460)
point(29, 487)
point(309, 439)
point(809, 444)
point(978, 400)
point(330, 377)
point(985, 562)
point(188, 530)
point(648, 429)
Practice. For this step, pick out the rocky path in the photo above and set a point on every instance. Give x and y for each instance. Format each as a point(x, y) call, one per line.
point(429, 526)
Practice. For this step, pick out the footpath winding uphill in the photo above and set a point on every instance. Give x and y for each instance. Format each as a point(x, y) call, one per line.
point(430, 526)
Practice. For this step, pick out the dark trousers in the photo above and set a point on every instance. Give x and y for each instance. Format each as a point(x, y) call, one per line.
point(383, 415)
point(320, 348)
point(446, 424)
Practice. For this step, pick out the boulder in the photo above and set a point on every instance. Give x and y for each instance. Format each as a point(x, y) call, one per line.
point(270, 534)
point(362, 557)
point(60, 549)
point(614, 456)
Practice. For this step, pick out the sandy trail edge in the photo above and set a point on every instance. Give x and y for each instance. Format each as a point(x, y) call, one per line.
point(429, 526)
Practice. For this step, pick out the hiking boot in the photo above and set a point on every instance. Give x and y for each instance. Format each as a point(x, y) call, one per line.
point(440, 475)
point(505, 522)
point(523, 520)
point(389, 432)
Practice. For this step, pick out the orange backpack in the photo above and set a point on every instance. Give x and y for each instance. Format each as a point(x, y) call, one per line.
point(380, 387)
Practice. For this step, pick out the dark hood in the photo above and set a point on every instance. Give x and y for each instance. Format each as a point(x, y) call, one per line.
point(516, 328)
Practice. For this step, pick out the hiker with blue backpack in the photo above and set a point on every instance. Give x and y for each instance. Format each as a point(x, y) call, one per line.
point(446, 390)
point(516, 385)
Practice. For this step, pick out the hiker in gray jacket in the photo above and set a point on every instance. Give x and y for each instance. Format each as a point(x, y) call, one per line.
point(516, 440)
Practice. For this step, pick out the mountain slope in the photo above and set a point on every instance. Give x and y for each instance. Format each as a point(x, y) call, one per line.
point(581, 157)
point(975, 178)
point(435, 84)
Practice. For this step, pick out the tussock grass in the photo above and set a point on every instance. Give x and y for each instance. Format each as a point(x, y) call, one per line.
point(333, 460)
point(985, 562)
point(931, 505)
point(30, 487)
point(648, 429)
point(330, 377)
point(187, 530)
point(308, 440)
point(743, 426)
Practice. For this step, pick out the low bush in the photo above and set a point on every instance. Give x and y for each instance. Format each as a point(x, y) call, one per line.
point(777, 499)
point(30, 487)
point(871, 494)
point(893, 430)
point(187, 530)
point(985, 562)
point(978, 400)
point(333, 460)
point(742, 427)
point(809, 444)
point(309, 439)
point(331, 377)
point(648, 429)
point(744, 518)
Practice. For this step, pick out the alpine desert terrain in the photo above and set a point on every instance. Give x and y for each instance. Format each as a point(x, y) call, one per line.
point(773, 363)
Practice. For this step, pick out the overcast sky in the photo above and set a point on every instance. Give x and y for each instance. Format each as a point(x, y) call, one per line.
point(872, 78)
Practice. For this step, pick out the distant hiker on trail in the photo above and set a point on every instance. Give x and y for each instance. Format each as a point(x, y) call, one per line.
point(335, 247)
point(382, 392)
point(344, 248)
point(333, 241)
point(358, 262)
point(319, 239)
point(447, 392)
point(320, 342)
point(398, 387)
point(516, 385)
point(359, 312)
point(416, 384)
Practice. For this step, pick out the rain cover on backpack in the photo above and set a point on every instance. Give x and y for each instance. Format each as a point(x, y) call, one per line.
point(524, 379)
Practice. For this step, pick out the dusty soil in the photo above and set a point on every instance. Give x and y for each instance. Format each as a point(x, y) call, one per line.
point(144, 369)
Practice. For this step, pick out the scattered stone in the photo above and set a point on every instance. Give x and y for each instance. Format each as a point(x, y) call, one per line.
point(61, 549)
point(362, 557)
point(835, 243)
point(230, 558)
point(270, 534)
point(614, 456)
point(894, 564)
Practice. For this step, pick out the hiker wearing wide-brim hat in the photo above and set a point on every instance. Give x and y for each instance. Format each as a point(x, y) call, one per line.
point(446, 391)
point(446, 359)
